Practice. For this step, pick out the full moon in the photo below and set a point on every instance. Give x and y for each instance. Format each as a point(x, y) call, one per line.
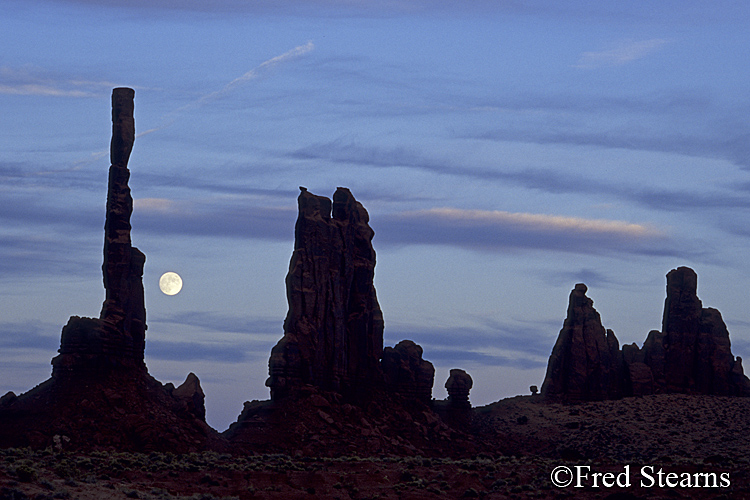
point(170, 283)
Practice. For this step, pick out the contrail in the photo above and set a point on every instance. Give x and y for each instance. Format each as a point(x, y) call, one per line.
point(171, 117)
point(250, 75)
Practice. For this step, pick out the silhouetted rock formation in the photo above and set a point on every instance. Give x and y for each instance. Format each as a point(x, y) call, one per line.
point(191, 395)
point(333, 332)
point(100, 393)
point(117, 338)
point(458, 385)
point(586, 363)
point(692, 354)
point(639, 378)
point(406, 373)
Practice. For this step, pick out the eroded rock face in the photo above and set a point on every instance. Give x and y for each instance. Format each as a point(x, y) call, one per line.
point(333, 332)
point(586, 362)
point(117, 338)
point(406, 373)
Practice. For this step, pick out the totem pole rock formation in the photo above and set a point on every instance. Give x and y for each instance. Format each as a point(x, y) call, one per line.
point(123, 306)
point(117, 339)
point(333, 332)
point(586, 363)
point(406, 373)
point(100, 393)
point(691, 354)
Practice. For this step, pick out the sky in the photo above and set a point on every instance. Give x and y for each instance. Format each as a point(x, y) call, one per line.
point(505, 151)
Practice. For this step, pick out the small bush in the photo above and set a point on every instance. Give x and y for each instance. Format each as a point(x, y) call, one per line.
point(26, 473)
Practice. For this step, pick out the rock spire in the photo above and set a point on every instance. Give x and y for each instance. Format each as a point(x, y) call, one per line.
point(123, 264)
point(117, 338)
point(333, 331)
point(586, 363)
point(691, 354)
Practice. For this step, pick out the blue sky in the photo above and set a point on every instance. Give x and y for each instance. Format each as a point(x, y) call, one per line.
point(505, 152)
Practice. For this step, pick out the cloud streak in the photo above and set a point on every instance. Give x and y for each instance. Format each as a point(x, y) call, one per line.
point(225, 218)
point(474, 229)
point(550, 180)
point(499, 231)
point(31, 80)
point(623, 53)
point(252, 337)
point(29, 336)
point(491, 342)
point(225, 323)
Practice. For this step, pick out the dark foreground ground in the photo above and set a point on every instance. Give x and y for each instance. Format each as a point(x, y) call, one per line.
point(703, 441)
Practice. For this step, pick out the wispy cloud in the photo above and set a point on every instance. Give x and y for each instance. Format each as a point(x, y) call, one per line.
point(590, 277)
point(193, 351)
point(537, 222)
point(36, 81)
point(234, 339)
point(40, 90)
point(498, 231)
point(225, 323)
point(489, 342)
point(226, 217)
point(30, 336)
point(732, 145)
point(476, 229)
point(623, 53)
point(552, 180)
point(46, 255)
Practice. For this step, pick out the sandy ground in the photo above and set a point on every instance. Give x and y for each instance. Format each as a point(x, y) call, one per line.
point(699, 440)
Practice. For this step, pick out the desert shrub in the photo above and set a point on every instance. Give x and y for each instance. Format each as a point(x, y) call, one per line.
point(66, 469)
point(25, 472)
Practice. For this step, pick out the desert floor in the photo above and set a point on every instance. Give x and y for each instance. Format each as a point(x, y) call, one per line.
point(697, 439)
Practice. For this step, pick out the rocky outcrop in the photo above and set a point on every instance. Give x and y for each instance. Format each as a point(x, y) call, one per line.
point(191, 395)
point(458, 385)
point(691, 354)
point(406, 373)
point(117, 338)
point(586, 362)
point(333, 332)
point(639, 378)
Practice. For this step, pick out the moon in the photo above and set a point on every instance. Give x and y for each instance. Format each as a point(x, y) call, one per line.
point(170, 283)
